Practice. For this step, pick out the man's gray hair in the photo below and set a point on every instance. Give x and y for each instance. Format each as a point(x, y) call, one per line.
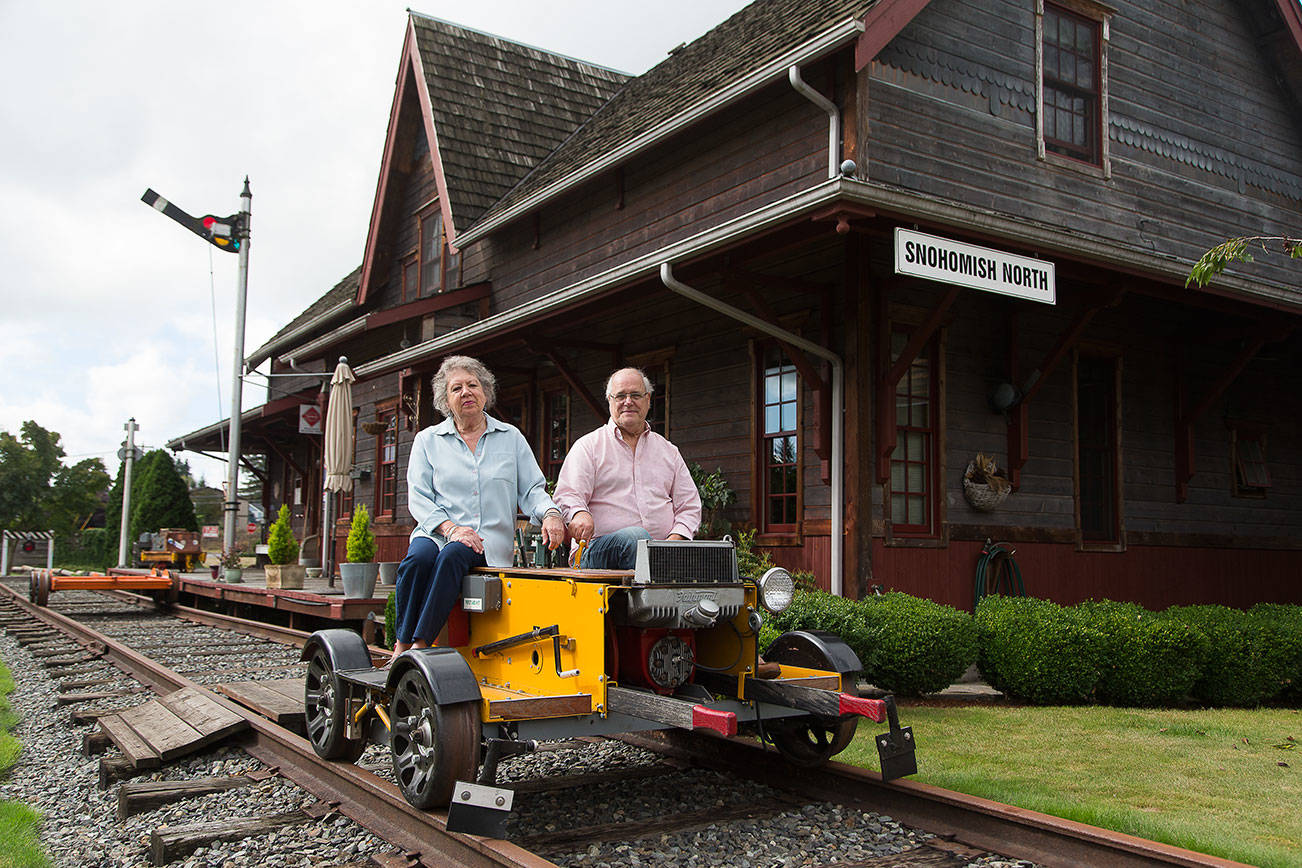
point(647, 385)
point(474, 367)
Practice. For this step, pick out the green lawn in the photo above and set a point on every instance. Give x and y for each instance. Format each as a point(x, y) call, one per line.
point(19, 841)
point(1227, 782)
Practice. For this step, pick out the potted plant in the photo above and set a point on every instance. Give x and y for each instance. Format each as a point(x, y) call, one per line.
point(232, 567)
point(283, 571)
point(360, 570)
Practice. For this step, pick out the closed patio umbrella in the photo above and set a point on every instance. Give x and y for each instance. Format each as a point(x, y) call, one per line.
point(337, 453)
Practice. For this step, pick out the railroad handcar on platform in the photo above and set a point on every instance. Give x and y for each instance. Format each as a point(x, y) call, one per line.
point(534, 655)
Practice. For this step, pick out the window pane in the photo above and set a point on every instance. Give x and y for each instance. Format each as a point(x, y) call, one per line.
point(917, 477)
point(789, 417)
point(789, 386)
point(772, 419)
point(917, 510)
point(898, 512)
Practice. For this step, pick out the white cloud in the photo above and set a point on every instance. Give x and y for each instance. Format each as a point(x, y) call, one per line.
point(106, 306)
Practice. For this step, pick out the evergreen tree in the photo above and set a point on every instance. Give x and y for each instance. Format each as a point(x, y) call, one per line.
point(159, 497)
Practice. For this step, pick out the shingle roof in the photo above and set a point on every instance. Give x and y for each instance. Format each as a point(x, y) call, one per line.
point(343, 291)
point(500, 107)
point(744, 43)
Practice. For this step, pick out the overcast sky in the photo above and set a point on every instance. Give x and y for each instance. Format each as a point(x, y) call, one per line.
point(110, 309)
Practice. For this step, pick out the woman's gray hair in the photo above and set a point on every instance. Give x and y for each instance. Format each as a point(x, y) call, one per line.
point(648, 386)
point(474, 367)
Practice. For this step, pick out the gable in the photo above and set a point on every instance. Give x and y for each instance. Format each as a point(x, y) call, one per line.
point(488, 111)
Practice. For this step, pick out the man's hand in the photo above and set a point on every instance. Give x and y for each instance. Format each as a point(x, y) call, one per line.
point(676, 536)
point(581, 525)
point(553, 530)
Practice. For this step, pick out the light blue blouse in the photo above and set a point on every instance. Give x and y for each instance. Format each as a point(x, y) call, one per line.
point(480, 490)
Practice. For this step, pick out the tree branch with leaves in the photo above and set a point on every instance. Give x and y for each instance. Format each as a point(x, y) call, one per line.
point(1216, 260)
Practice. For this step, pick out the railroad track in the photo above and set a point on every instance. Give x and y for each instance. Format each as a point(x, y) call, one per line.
point(666, 799)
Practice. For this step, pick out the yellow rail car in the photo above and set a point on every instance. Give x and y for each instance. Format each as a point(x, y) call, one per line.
point(534, 655)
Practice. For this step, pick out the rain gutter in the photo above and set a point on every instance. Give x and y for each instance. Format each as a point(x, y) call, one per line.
point(810, 51)
point(833, 119)
point(647, 265)
point(267, 350)
point(838, 392)
point(312, 347)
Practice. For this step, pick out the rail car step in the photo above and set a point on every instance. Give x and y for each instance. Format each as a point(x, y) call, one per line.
point(365, 677)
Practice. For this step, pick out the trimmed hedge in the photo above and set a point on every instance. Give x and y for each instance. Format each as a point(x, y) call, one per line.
point(1288, 621)
point(1250, 656)
point(921, 646)
point(1147, 660)
point(819, 610)
point(906, 645)
point(1038, 651)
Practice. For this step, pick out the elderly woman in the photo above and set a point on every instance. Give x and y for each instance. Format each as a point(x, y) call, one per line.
point(466, 478)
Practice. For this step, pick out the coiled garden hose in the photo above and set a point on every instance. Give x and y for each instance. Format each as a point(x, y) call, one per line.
point(997, 573)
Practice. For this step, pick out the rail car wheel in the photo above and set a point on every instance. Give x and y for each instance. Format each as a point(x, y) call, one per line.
point(433, 746)
point(326, 707)
point(811, 742)
point(40, 587)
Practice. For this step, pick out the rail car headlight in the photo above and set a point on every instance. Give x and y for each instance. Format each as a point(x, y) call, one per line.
point(776, 590)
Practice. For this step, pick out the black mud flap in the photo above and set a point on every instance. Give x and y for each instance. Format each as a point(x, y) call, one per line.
point(476, 809)
point(895, 748)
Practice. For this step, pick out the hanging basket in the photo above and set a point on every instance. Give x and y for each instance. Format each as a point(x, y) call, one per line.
point(980, 495)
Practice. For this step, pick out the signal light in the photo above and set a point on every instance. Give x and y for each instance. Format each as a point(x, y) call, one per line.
point(222, 231)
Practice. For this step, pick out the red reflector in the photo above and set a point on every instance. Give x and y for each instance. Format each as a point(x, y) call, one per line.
point(875, 709)
point(722, 722)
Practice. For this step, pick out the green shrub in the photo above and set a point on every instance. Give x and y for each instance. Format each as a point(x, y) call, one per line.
point(1288, 620)
point(919, 646)
point(361, 542)
point(1037, 651)
point(716, 496)
point(391, 619)
point(750, 563)
point(282, 546)
point(1147, 660)
point(1247, 657)
point(819, 610)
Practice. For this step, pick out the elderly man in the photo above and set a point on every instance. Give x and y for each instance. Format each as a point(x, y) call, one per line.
point(624, 482)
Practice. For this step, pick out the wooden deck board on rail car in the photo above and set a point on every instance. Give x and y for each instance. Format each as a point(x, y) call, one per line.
point(172, 726)
point(279, 700)
point(506, 704)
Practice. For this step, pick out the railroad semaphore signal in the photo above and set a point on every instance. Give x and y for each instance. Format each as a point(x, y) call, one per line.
point(222, 232)
point(232, 235)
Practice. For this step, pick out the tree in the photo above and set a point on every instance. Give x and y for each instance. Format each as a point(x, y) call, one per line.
point(38, 491)
point(1216, 260)
point(159, 497)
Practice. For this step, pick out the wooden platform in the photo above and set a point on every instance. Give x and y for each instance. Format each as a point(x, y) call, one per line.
point(166, 728)
point(280, 700)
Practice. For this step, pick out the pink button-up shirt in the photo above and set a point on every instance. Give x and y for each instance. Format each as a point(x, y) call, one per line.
point(650, 488)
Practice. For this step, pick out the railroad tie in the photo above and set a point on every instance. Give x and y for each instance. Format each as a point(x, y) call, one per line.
point(135, 797)
point(170, 843)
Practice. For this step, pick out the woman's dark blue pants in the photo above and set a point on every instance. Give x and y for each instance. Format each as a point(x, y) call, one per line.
point(429, 583)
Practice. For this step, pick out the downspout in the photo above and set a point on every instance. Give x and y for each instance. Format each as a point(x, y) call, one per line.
point(838, 390)
point(833, 119)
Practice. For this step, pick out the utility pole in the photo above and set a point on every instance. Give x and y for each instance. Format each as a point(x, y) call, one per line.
point(129, 456)
point(232, 504)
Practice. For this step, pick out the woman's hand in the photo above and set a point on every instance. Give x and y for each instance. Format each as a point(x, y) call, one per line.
point(553, 530)
point(467, 537)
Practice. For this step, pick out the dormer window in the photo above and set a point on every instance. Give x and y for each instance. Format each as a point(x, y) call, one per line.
point(1072, 58)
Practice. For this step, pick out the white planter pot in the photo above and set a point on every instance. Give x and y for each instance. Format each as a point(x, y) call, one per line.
point(359, 580)
point(389, 573)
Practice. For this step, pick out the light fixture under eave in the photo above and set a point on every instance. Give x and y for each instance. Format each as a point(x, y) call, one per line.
point(1004, 397)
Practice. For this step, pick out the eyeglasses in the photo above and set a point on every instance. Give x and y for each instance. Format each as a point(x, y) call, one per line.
point(624, 396)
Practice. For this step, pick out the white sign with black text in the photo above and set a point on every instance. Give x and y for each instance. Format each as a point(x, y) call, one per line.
point(920, 255)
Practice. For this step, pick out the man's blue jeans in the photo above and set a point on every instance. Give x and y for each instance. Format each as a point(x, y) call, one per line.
point(429, 583)
point(614, 551)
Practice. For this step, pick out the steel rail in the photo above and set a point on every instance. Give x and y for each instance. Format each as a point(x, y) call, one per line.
point(988, 825)
point(358, 794)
